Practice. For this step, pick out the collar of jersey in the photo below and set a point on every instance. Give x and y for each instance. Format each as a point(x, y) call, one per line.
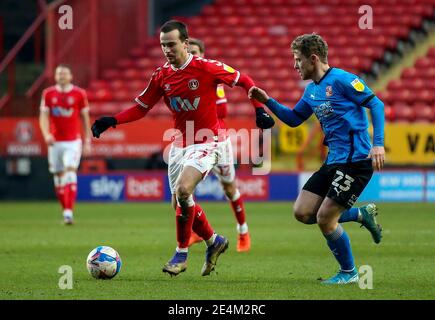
point(67, 89)
point(323, 77)
point(185, 64)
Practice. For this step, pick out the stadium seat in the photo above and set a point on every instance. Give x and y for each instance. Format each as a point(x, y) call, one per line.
point(424, 113)
point(404, 112)
point(254, 36)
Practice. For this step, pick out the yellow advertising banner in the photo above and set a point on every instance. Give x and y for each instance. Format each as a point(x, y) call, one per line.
point(292, 139)
point(410, 143)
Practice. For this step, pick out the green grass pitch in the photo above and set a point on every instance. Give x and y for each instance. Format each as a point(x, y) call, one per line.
point(286, 260)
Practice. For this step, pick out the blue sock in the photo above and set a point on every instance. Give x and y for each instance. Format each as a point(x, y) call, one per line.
point(349, 215)
point(339, 243)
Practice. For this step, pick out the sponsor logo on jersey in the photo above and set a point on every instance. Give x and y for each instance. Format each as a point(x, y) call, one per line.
point(178, 104)
point(193, 84)
point(324, 111)
point(229, 69)
point(62, 112)
point(329, 91)
point(357, 85)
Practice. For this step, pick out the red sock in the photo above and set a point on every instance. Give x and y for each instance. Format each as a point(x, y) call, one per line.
point(200, 225)
point(184, 226)
point(60, 194)
point(239, 210)
point(70, 195)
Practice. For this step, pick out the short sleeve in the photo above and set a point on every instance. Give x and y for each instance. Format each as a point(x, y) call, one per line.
point(152, 93)
point(221, 72)
point(354, 88)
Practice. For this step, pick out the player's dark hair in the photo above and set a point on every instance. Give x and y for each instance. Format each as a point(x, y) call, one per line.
point(198, 43)
point(175, 25)
point(64, 65)
point(308, 44)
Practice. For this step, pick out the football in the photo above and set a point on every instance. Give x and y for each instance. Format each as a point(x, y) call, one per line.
point(103, 262)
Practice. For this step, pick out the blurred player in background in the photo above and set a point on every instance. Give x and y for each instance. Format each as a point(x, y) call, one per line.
point(225, 170)
point(337, 98)
point(188, 85)
point(61, 108)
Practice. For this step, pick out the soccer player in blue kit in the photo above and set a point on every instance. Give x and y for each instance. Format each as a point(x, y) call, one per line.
point(337, 99)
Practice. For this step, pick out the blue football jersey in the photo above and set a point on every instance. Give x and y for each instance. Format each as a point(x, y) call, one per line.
point(337, 100)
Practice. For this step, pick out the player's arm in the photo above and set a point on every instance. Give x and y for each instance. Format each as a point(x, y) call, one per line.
point(144, 103)
point(86, 121)
point(377, 153)
point(263, 119)
point(231, 77)
point(301, 112)
point(44, 121)
point(357, 91)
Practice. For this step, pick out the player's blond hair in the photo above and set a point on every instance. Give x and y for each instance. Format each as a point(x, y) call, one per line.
point(308, 44)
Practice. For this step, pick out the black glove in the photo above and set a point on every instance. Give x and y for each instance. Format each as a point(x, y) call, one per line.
point(263, 119)
point(102, 124)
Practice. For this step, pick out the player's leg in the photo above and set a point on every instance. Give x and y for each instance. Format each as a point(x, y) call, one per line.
point(346, 186)
point(312, 195)
point(226, 174)
point(233, 195)
point(338, 241)
point(184, 175)
point(366, 215)
point(56, 167)
point(71, 160)
point(310, 198)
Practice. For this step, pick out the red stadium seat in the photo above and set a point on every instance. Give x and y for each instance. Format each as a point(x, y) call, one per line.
point(424, 113)
point(404, 112)
point(389, 113)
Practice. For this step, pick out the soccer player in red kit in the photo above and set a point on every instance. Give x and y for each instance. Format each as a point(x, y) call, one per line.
point(188, 86)
point(61, 108)
point(225, 170)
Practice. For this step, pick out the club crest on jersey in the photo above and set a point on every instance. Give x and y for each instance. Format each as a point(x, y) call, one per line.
point(193, 84)
point(54, 100)
point(329, 91)
point(70, 101)
point(357, 85)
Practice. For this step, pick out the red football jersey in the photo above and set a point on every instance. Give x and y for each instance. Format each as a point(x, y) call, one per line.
point(190, 93)
point(64, 107)
point(222, 106)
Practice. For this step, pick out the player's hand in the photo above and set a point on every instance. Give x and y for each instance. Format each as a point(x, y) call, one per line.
point(377, 154)
point(102, 124)
point(263, 119)
point(49, 139)
point(258, 94)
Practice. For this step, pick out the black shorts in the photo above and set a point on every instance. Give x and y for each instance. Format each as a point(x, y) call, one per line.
point(341, 182)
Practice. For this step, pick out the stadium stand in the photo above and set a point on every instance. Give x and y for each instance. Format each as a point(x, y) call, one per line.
point(255, 35)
